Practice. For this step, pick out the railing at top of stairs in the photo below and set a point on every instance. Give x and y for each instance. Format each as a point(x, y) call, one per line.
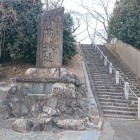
point(118, 77)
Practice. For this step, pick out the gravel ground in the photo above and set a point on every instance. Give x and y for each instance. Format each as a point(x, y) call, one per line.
point(6, 134)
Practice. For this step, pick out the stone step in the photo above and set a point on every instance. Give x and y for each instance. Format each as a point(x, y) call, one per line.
point(120, 116)
point(107, 96)
point(111, 96)
point(120, 108)
point(111, 93)
point(117, 100)
point(108, 87)
point(110, 90)
point(121, 112)
point(118, 104)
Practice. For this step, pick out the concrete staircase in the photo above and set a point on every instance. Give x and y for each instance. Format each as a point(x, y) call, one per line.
point(110, 95)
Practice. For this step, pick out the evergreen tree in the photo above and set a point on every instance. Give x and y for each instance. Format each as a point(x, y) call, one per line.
point(19, 29)
point(125, 22)
point(69, 48)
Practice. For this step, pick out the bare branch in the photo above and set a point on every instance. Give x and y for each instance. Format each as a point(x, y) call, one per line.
point(100, 16)
point(83, 39)
point(81, 32)
point(61, 3)
point(51, 4)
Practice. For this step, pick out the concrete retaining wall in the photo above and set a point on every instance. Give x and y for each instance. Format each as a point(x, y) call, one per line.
point(128, 54)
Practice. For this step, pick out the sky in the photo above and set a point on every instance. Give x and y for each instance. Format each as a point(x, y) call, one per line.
point(75, 5)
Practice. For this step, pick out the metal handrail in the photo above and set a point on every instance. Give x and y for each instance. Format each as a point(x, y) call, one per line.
point(132, 92)
point(115, 70)
point(121, 78)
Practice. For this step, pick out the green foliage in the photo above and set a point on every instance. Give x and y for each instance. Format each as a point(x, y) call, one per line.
point(125, 22)
point(69, 48)
point(18, 25)
point(19, 29)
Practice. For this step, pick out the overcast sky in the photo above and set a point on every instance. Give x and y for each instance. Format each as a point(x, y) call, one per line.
point(75, 5)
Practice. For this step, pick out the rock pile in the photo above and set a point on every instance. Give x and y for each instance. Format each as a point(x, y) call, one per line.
point(65, 107)
point(47, 124)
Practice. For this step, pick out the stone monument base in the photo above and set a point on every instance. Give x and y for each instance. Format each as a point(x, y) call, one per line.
point(57, 100)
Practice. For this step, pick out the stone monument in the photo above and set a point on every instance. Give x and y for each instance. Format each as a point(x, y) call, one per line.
point(50, 39)
point(49, 93)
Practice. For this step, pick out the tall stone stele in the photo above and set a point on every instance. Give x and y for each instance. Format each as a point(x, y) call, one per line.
point(50, 39)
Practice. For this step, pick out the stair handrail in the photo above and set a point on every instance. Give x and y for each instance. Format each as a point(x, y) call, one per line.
point(133, 92)
point(127, 85)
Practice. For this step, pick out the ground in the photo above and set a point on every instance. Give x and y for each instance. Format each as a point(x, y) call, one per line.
point(120, 130)
point(7, 134)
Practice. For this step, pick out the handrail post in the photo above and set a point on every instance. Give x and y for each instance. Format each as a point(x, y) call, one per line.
point(110, 68)
point(117, 77)
point(101, 55)
point(138, 108)
point(105, 60)
point(126, 90)
point(97, 50)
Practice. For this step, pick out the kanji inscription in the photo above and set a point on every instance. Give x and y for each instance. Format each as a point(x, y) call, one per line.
point(50, 39)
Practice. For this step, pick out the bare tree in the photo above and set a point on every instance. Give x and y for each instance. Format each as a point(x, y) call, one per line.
point(52, 4)
point(97, 11)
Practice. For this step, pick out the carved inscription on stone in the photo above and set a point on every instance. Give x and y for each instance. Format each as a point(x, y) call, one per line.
point(50, 39)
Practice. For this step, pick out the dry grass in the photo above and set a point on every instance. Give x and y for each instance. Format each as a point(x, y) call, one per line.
point(74, 66)
point(10, 70)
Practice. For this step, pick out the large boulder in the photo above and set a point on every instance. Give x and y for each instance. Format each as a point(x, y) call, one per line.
point(71, 124)
point(14, 99)
point(3, 84)
point(64, 90)
point(47, 122)
point(17, 99)
point(52, 102)
point(22, 125)
point(5, 109)
point(51, 111)
point(35, 110)
point(77, 80)
point(42, 73)
point(13, 90)
point(19, 91)
point(41, 116)
point(63, 72)
point(46, 72)
point(70, 78)
point(19, 109)
point(38, 127)
point(43, 124)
